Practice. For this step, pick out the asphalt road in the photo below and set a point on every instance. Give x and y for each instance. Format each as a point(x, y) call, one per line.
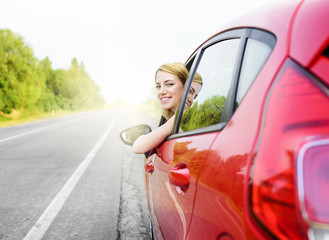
point(72, 178)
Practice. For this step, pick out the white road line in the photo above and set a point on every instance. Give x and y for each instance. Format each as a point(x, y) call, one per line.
point(48, 216)
point(40, 129)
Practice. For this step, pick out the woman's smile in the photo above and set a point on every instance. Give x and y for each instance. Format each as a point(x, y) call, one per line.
point(165, 99)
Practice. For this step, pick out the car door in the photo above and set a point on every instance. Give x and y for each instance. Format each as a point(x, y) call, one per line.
point(219, 208)
point(179, 159)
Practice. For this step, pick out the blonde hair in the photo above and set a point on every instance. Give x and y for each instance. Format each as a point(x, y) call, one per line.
point(197, 78)
point(178, 69)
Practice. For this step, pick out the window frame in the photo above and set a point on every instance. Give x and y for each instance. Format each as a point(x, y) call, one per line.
point(193, 62)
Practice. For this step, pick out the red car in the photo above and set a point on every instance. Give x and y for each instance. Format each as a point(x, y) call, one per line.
point(250, 158)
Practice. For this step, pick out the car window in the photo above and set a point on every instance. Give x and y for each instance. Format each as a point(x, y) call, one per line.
point(255, 56)
point(216, 69)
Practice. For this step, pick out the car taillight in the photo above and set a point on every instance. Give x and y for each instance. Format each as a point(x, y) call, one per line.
point(313, 186)
point(296, 111)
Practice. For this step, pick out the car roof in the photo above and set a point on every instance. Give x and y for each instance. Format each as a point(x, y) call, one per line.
point(291, 22)
point(274, 17)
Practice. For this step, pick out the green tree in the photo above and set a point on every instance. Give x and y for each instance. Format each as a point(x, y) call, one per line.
point(29, 84)
point(21, 84)
point(80, 89)
point(51, 98)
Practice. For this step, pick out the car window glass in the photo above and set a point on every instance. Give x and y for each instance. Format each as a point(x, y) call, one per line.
point(255, 56)
point(216, 69)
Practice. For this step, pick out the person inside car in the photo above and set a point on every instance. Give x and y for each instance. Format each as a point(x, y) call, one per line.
point(169, 82)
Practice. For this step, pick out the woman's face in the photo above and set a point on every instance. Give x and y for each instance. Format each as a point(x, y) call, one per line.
point(169, 90)
point(192, 94)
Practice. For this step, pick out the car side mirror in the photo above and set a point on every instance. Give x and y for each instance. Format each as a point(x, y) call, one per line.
point(130, 135)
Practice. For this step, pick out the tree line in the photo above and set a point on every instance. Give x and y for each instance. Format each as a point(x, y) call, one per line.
point(27, 83)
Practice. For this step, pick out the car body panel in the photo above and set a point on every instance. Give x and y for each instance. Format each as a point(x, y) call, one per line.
point(321, 68)
point(173, 205)
point(224, 183)
point(305, 48)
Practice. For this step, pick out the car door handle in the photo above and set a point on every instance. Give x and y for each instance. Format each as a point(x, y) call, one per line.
point(179, 176)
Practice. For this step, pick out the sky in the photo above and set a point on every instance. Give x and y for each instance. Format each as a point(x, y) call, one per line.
point(121, 43)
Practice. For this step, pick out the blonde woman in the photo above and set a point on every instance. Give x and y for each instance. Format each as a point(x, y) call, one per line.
point(169, 82)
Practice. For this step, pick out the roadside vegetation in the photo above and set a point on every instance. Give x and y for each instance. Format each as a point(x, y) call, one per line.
point(31, 89)
point(151, 108)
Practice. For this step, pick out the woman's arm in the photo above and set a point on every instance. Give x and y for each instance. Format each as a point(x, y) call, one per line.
point(151, 140)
